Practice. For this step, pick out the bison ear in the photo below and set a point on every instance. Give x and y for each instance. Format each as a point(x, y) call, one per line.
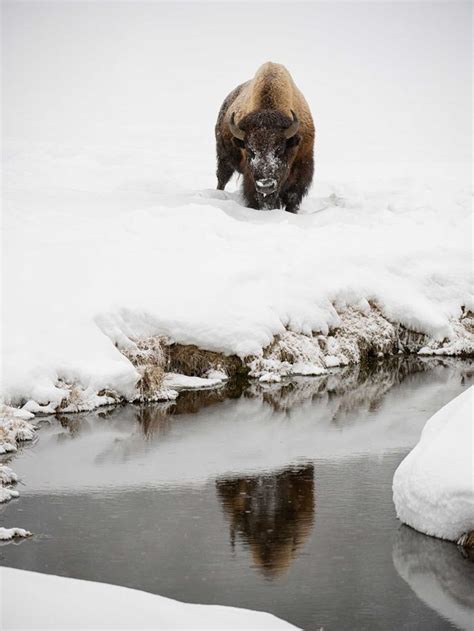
point(293, 141)
point(238, 143)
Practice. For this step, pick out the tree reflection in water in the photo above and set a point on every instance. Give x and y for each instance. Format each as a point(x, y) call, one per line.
point(272, 514)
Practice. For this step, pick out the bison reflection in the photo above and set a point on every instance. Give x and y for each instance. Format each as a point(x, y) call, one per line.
point(272, 515)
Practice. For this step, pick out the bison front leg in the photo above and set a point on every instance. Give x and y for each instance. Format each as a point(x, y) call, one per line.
point(291, 200)
point(224, 172)
point(302, 176)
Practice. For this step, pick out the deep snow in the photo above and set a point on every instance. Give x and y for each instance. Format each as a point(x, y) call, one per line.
point(433, 487)
point(53, 604)
point(112, 229)
point(200, 269)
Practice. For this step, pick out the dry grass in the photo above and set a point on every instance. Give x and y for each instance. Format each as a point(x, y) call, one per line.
point(193, 361)
point(467, 540)
point(151, 381)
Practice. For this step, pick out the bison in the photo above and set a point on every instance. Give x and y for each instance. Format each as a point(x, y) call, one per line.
point(265, 131)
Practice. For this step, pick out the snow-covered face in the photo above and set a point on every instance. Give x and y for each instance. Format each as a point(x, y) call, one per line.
point(268, 160)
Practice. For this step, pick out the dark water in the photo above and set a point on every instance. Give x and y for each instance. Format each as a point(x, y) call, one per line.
point(275, 498)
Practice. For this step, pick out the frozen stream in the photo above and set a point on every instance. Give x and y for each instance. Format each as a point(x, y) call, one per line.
point(275, 498)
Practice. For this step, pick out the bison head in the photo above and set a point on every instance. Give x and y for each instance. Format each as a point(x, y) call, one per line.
point(269, 140)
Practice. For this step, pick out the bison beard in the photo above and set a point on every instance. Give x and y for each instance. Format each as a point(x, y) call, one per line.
point(272, 150)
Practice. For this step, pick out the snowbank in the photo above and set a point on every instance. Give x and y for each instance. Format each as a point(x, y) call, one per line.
point(182, 382)
point(113, 229)
point(13, 533)
point(90, 273)
point(433, 486)
point(14, 428)
point(56, 602)
point(7, 477)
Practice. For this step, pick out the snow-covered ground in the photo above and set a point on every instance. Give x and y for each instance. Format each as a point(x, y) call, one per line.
point(112, 229)
point(55, 602)
point(85, 275)
point(433, 487)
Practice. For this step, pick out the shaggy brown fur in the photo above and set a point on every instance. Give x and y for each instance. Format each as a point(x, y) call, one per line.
point(263, 108)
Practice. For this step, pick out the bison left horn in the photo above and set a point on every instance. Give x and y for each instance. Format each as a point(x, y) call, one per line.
point(293, 128)
point(235, 129)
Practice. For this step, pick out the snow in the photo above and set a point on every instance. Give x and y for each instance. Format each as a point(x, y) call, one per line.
point(51, 599)
point(275, 271)
point(113, 231)
point(433, 487)
point(183, 382)
point(221, 375)
point(14, 428)
point(12, 533)
point(7, 494)
point(7, 477)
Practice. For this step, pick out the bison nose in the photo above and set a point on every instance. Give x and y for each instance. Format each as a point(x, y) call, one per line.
point(266, 186)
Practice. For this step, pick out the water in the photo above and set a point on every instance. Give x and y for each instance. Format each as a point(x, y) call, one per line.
point(275, 498)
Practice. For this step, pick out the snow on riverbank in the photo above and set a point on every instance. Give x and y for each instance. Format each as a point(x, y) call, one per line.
point(89, 273)
point(114, 233)
point(433, 486)
point(13, 533)
point(51, 599)
point(14, 428)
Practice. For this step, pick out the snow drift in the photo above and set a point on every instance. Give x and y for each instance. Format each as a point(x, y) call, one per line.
point(433, 486)
point(112, 231)
point(85, 279)
point(55, 602)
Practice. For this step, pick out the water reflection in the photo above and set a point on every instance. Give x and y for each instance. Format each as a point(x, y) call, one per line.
point(246, 428)
point(438, 573)
point(352, 389)
point(155, 497)
point(272, 514)
point(344, 394)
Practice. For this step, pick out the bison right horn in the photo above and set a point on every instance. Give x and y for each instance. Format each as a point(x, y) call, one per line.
point(235, 129)
point(293, 128)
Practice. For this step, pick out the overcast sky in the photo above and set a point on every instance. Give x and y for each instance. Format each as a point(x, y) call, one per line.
point(385, 81)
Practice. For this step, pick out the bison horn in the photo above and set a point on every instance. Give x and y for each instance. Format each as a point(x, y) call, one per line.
point(293, 128)
point(235, 129)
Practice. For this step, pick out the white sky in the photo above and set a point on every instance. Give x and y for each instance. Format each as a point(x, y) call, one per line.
point(386, 81)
